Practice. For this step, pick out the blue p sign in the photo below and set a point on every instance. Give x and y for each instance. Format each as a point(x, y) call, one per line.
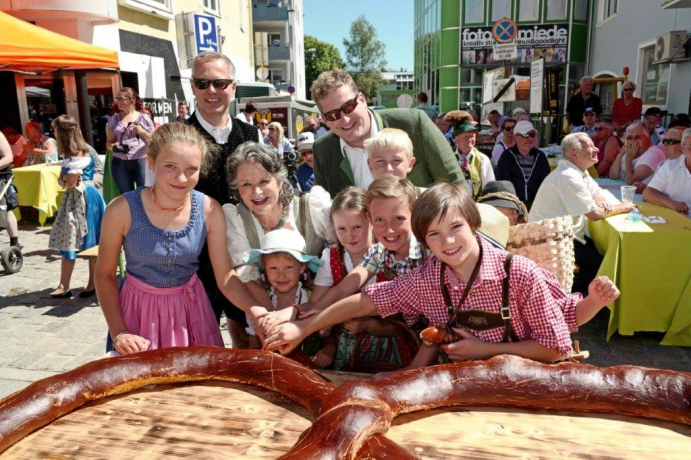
point(205, 33)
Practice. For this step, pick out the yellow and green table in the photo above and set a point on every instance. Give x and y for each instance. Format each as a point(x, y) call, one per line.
point(38, 187)
point(651, 265)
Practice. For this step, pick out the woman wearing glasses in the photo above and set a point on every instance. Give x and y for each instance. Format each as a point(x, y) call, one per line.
point(129, 132)
point(505, 140)
point(524, 165)
point(259, 182)
point(627, 109)
point(476, 167)
point(276, 141)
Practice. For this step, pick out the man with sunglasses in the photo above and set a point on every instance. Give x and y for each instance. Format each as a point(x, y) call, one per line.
point(671, 185)
point(653, 119)
point(524, 165)
point(339, 156)
point(213, 86)
point(638, 158)
point(588, 126)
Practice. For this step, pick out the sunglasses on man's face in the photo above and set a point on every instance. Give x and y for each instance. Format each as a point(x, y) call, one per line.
point(530, 135)
point(264, 123)
point(219, 83)
point(347, 109)
point(628, 89)
point(671, 141)
point(508, 128)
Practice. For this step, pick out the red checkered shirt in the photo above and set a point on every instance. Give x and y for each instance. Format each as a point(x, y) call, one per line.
point(535, 306)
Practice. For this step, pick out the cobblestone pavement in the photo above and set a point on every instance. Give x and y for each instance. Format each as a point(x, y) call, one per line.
point(40, 336)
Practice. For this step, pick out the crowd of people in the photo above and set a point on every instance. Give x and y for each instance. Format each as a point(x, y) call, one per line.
point(390, 226)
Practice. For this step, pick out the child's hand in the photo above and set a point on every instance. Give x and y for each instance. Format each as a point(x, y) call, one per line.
point(274, 318)
point(323, 358)
point(603, 290)
point(468, 348)
point(131, 343)
point(356, 325)
point(284, 338)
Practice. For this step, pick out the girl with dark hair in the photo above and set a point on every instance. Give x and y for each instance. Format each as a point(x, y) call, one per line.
point(129, 132)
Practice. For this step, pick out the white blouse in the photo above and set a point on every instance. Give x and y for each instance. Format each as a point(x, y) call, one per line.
point(319, 205)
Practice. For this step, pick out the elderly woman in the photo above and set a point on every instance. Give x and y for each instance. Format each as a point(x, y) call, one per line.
point(627, 109)
point(40, 148)
point(638, 158)
point(259, 181)
point(275, 140)
point(608, 145)
point(476, 167)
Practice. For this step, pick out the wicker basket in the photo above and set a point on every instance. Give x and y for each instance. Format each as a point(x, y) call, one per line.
point(549, 243)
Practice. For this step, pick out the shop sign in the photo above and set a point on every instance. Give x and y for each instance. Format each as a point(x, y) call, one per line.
point(160, 107)
point(205, 33)
point(537, 76)
point(542, 41)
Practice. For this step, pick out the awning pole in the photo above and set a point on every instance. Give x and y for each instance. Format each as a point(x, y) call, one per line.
point(83, 105)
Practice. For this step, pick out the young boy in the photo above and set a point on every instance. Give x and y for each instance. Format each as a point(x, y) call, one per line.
point(470, 273)
point(390, 152)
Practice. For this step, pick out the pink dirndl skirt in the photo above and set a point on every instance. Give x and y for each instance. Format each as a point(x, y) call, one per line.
point(181, 316)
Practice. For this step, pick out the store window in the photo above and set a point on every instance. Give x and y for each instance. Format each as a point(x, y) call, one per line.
point(528, 10)
point(501, 9)
point(655, 79)
point(556, 10)
point(607, 9)
point(580, 10)
point(45, 98)
point(473, 12)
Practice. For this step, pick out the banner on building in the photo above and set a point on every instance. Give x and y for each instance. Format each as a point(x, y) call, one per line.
point(537, 81)
point(542, 41)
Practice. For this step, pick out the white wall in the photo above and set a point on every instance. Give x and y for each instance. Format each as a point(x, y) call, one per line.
point(616, 43)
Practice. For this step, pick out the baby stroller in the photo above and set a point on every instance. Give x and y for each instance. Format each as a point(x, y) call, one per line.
point(11, 257)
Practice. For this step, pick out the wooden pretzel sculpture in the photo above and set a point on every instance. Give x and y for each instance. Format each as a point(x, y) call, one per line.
point(353, 416)
point(46, 400)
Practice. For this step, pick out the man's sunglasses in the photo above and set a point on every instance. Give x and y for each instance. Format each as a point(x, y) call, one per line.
point(219, 83)
point(531, 135)
point(263, 123)
point(306, 152)
point(628, 89)
point(347, 109)
point(671, 141)
point(508, 128)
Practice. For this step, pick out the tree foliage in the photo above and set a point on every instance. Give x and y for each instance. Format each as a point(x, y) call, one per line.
point(324, 56)
point(365, 56)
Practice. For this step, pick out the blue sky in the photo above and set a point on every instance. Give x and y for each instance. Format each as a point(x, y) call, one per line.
point(329, 21)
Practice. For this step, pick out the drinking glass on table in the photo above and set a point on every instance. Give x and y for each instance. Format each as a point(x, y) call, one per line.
point(627, 193)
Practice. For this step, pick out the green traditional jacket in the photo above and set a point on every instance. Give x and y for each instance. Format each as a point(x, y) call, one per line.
point(435, 161)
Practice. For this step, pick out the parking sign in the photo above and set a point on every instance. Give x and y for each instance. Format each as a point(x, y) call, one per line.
point(205, 33)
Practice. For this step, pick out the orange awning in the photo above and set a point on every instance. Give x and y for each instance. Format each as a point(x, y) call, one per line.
point(29, 48)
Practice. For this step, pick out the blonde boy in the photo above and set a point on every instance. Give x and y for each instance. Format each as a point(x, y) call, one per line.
point(390, 152)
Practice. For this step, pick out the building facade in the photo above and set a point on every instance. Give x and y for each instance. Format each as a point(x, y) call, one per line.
point(454, 47)
point(396, 84)
point(155, 41)
point(280, 44)
point(619, 40)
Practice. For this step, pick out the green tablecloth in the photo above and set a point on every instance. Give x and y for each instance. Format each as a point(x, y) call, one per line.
point(651, 265)
point(37, 186)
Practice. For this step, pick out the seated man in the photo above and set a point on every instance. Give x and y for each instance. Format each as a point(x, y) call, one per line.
point(653, 120)
point(638, 158)
point(671, 184)
point(502, 195)
point(588, 126)
point(570, 191)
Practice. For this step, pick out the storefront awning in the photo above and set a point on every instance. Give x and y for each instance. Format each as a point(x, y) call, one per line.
point(29, 48)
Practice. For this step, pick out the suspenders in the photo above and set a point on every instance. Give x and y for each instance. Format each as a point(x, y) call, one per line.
point(478, 320)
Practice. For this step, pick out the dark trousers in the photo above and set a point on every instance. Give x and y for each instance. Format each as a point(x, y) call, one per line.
point(218, 301)
point(128, 172)
point(588, 261)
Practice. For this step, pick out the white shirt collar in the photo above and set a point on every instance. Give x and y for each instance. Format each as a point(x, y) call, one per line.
point(219, 134)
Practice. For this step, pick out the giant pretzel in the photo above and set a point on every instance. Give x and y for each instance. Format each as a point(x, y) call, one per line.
point(353, 416)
